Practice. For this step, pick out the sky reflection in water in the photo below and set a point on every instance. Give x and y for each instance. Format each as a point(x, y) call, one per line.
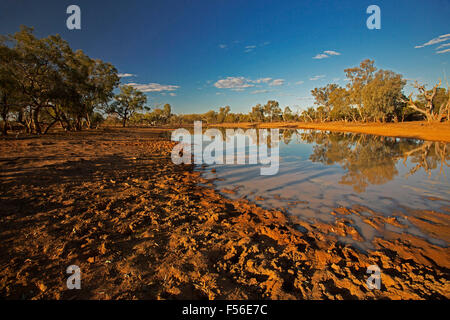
point(320, 171)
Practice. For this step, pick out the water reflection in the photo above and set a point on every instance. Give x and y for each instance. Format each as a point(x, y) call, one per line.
point(366, 159)
point(372, 160)
point(320, 171)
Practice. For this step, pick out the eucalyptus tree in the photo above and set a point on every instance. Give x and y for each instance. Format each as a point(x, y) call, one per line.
point(287, 114)
point(257, 114)
point(382, 96)
point(223, 113)
point(167, 112)
point(433, 104)
point(36, 69)
point(272, 110)
point(322, 98)
point(127, 102)
point(54, 83)
point(10, 96)
point(88, 86)
point(358, 78)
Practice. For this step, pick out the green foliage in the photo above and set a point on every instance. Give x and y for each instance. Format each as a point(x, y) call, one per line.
point(127, 102)
point(322, 97)
point(272, 111)
point(372, 95)
point(381, 96)
point(45, 82)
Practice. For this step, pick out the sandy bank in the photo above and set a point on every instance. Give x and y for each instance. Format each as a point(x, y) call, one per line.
point(417, 129)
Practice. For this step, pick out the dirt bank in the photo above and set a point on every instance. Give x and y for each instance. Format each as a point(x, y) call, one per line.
point(140, 227)
point(417, 129)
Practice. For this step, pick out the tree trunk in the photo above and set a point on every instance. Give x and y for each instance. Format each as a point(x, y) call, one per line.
point(88, 121)
point(5, 123)
point(5, 110)
point(50, 125)
point(37, 126)
point(5, 127)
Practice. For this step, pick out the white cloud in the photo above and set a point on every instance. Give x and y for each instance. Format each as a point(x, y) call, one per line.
point(247, 48)
point(277, 82)
point(320, 56)
point(436, 40)
point(261, 80)
point(300, 82)
point(125, 75)
point(259, 91)
point(317, 77)
point(443, 45)
point(332, 53)
point(153, 87)
point(326, 54)
point(443, 51)
point(240, 83)
point(233, 83)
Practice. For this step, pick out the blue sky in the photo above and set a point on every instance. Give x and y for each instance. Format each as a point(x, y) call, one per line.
point(199, 55)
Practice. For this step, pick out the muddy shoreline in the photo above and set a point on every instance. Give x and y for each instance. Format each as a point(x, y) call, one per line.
point(139, 227)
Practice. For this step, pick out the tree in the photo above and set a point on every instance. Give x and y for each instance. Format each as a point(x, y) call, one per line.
point(322, 97)
point(382, 96)
point(54, 83)
point(88, 85)
point(127, 102)
point(309, 114)
point(272, 110)
point(10, 97)
point(223, 112)
point(167, 112)
point(210, 116)
point(257, 113)
point(358, 77)
point(287, 114)
point(339, 100)
point(429, 108)
point(37, 70)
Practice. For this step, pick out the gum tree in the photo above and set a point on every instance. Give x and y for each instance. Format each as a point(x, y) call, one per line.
point(358, 78)
point(127, 102)
point(429, 106)
point(382, 96)
point(10, 97)
point(322, 98)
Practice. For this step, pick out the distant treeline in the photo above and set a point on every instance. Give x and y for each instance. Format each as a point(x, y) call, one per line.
point(370, 96)
point(43, 82)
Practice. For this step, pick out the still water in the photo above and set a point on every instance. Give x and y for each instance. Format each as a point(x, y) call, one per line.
point(320, 171)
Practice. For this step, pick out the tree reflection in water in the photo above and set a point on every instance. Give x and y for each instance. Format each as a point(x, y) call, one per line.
point(368, 159)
